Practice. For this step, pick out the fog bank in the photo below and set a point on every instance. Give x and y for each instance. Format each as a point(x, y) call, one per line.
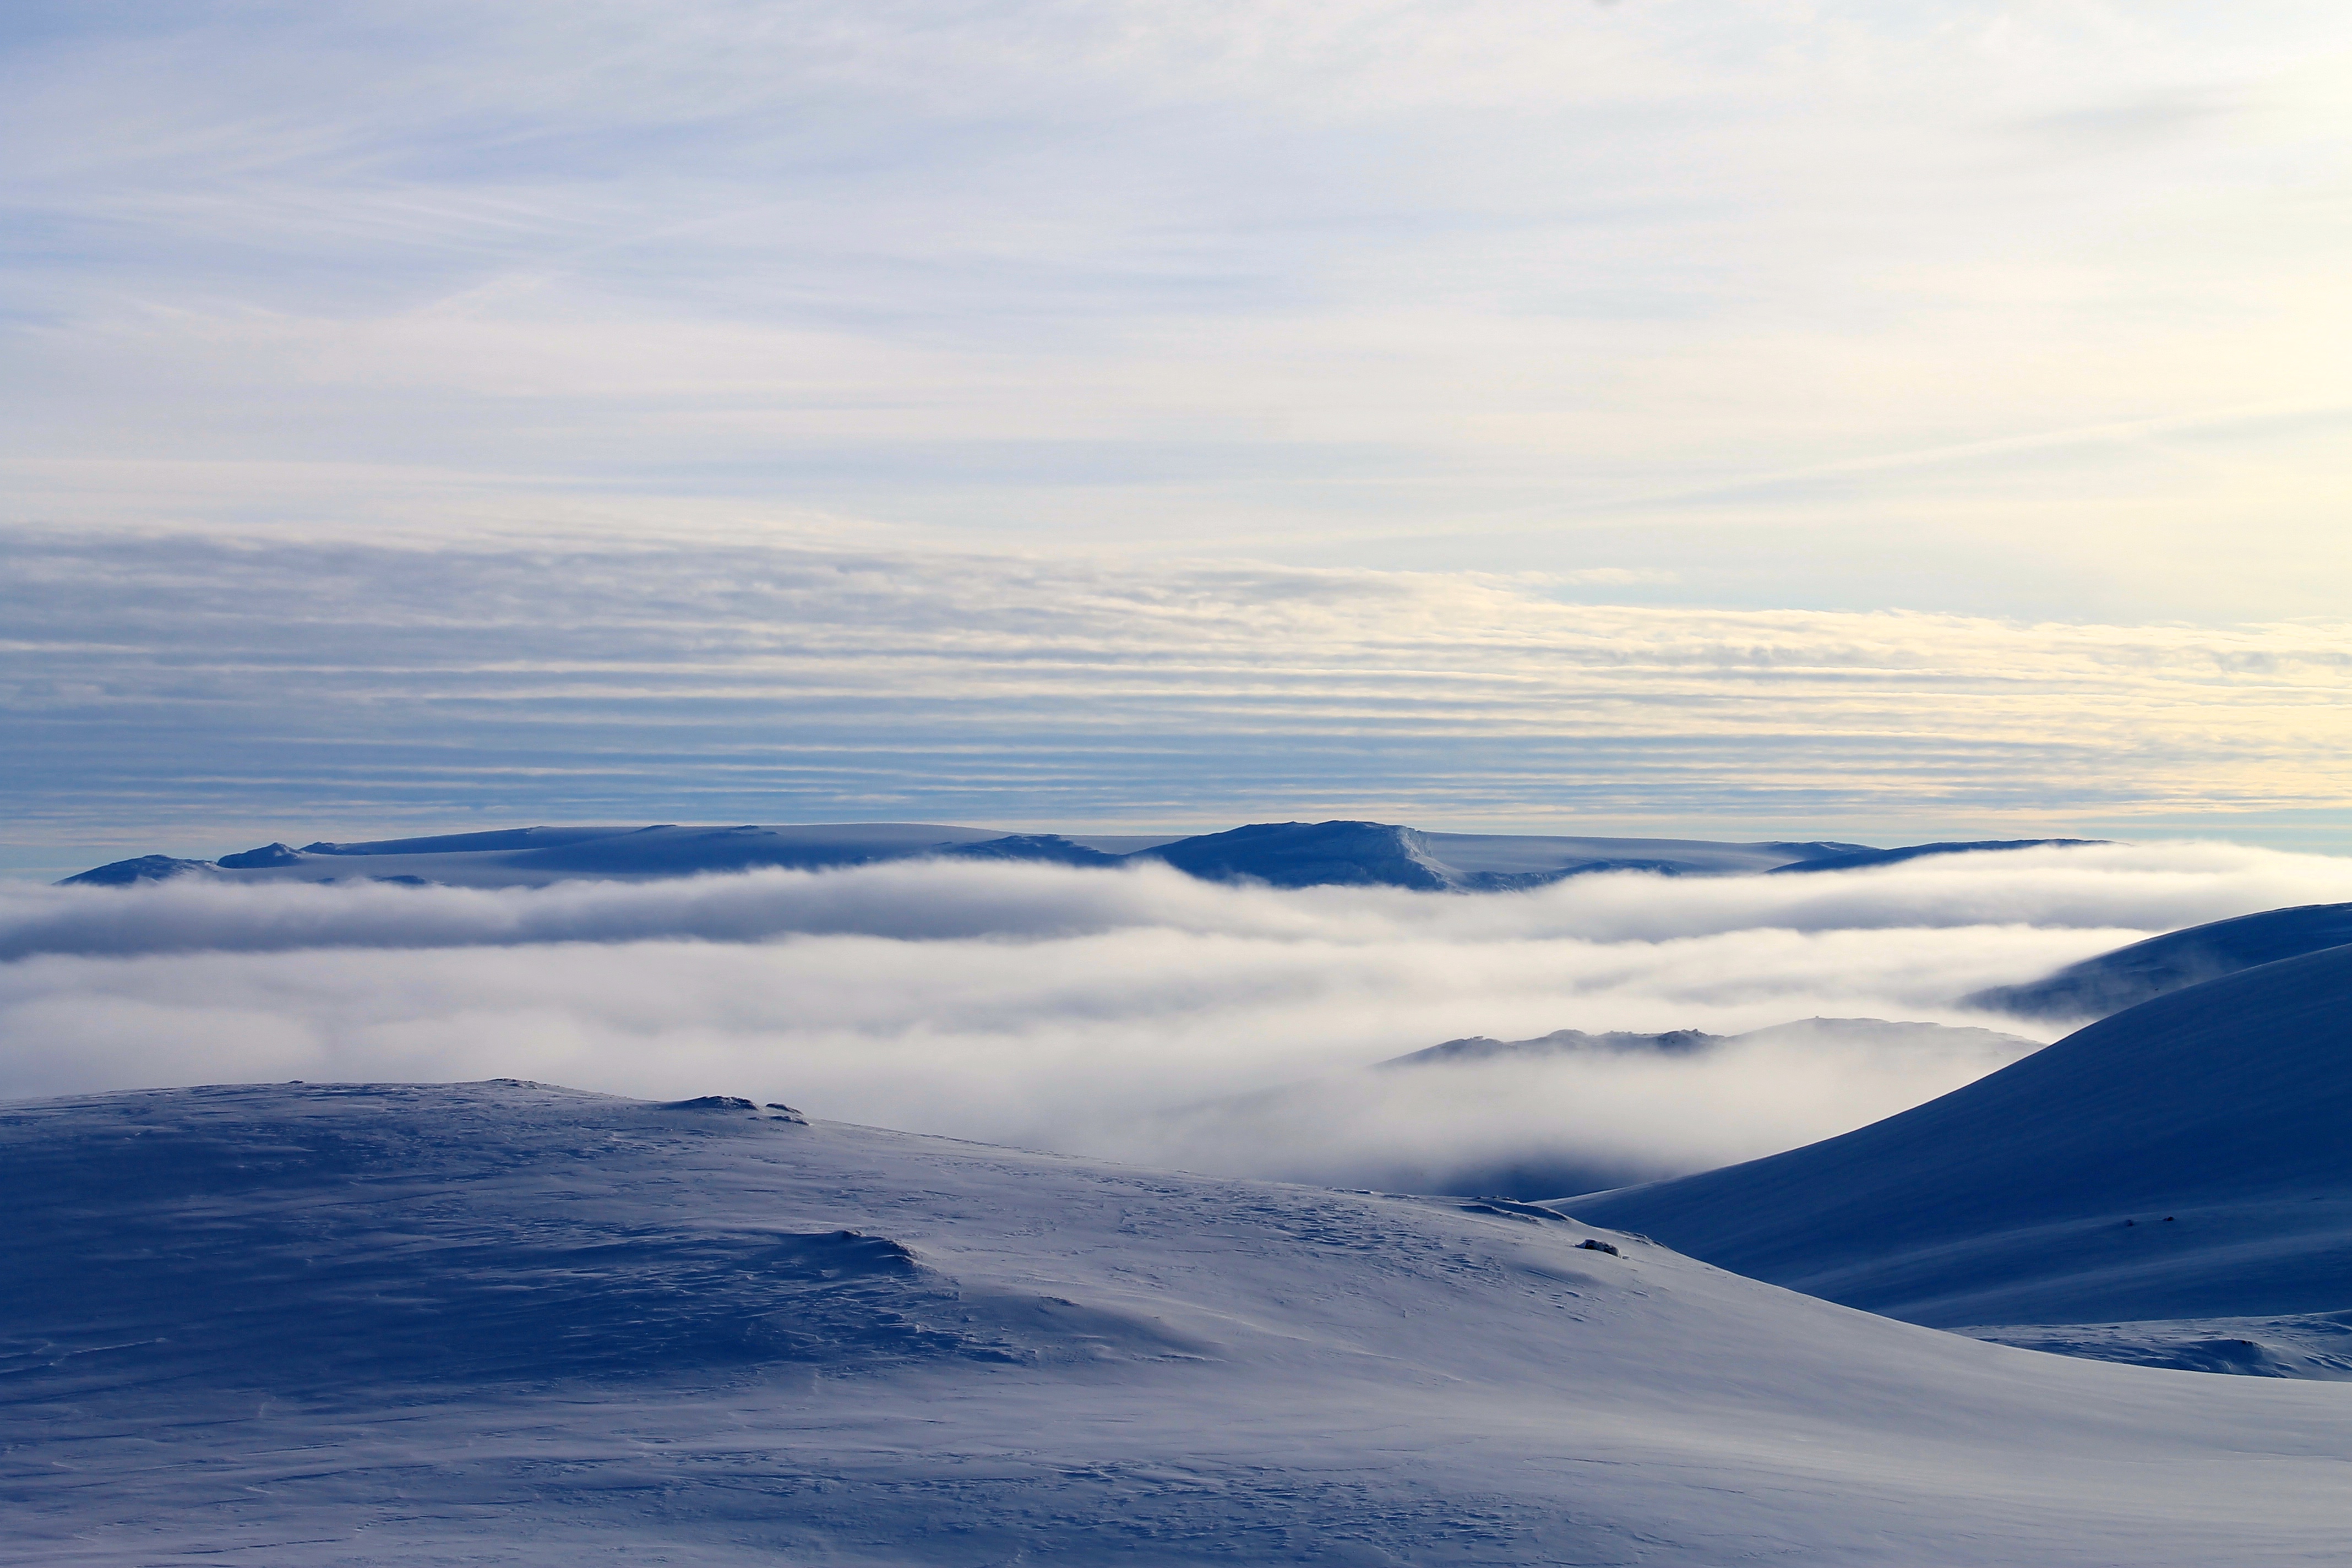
point(1087, 1010)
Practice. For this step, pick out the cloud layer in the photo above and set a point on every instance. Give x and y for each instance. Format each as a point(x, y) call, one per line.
point(230, 694)
point(1087, 1010)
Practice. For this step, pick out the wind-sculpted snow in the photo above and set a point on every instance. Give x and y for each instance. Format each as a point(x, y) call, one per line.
point(1081, 1009)
point(2303, 1344)
point(292, 1326)
point(296, 1243)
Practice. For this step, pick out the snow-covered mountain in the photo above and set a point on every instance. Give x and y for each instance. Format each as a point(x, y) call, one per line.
point(1693, 1042)
point(1281, 854)
point(2129, 975)
point(506, 1323)
point(2182, 1159)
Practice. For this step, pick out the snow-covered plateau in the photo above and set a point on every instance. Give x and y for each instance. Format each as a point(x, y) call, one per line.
point(506, 1322)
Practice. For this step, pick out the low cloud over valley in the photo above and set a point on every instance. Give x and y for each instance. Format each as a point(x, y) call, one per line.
point(1135, 1012)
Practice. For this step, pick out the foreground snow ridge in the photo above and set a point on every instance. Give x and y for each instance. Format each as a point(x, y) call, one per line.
point(505, 1323)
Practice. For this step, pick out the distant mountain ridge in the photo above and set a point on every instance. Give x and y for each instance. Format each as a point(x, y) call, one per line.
point(1558, 1042)
point(1857, 858)
point(1339, 853)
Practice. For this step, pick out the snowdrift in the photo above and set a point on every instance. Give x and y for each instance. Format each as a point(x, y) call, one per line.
point(503, 1323)
point(2183, 1159)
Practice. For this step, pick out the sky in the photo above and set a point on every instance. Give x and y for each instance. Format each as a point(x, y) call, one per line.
point(1873, 421)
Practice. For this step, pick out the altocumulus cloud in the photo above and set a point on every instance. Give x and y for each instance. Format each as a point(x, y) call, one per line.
point(1132, 1013)
point(199, 685)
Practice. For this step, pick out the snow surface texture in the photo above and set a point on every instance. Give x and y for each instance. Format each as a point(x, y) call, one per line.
point(2306, 1344)
point(506, 1323)
point(2184, 1159)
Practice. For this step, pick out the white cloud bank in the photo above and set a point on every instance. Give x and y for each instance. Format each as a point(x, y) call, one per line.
point(1077, 1009)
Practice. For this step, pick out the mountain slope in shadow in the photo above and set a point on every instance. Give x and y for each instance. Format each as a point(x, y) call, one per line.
point(2183, 1159)
point(2111, 982)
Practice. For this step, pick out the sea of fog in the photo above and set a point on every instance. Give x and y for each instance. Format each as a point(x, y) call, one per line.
point(1136, 1013)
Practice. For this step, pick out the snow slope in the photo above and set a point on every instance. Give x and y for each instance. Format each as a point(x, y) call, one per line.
point(2300, 1344)
point(2112, 982)
point(2184, 1159)
point(503, 1323)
